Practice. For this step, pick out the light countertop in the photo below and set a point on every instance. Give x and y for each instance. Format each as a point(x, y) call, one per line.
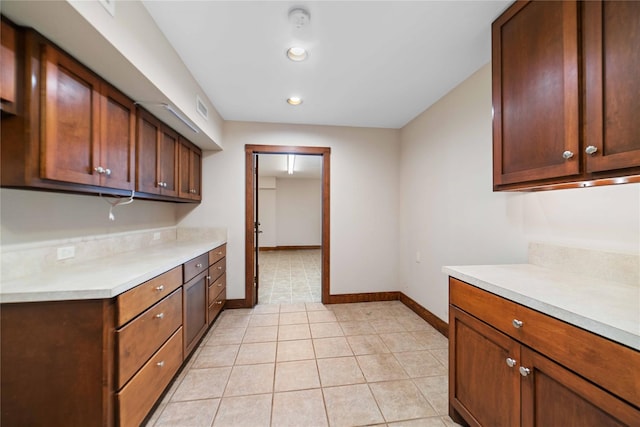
point(104, 277)
point(607, 308)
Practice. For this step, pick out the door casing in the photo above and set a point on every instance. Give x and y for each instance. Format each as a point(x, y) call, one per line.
point(250, 151)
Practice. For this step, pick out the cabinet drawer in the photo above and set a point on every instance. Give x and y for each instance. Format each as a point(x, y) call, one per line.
point(139, 339)
point(608, 364)
point(218, 269)
point(216, 306)
point(216, 287)
point(138, 397)
point(138, 299)
point(195, 266)
point(490, 308)
point(217, 254)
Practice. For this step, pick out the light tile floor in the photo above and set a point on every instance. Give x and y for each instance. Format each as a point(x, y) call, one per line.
point(289, 276)
point(307, 364)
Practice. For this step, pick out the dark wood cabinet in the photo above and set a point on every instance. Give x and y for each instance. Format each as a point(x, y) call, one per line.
point(611, 40)
point(565, 93)
point(217, 280)
point(190, 165)
point(8, 67)
point(69, 130)
point(157, 157)
point(512, 366)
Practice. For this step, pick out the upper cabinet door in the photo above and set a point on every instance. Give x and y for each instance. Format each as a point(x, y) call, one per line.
point(612, 76)
point(169, 162)
point(535, 92)
point(117, 136)
point(147, 156)
point(69, 116)
point(8, 68)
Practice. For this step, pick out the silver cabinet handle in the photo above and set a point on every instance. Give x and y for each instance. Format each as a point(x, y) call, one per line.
point(107, 172)
point(220, 284)
point(220, 253)
point(219, 267)
point(199, 265)
point(160, 364)
point(524, 371)
point(160, 288)
point(511, 362)
point(590, 149)
point(219, 302)
point(208, 278)
point(567, 155)
point(160, 316)
point(99, 169)
point(517, 323)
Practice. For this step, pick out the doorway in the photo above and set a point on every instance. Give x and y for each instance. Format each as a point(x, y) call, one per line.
point(252, 226)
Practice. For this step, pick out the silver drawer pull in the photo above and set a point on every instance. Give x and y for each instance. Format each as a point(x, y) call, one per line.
point(208, 278)
point(517, 323)
point(220, 253)
point(160, 288)
point(160, 316)
point(219, 267)
point(511, 362)
point(524, 371)
point(199, 265)
point(160, 364)
point(219, 302)
point(220, 284)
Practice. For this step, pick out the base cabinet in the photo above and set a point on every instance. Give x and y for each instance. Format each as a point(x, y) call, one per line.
point(497, 378)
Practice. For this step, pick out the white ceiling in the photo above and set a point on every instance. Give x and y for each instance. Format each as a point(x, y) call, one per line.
point(305, 166)
point(370, 64)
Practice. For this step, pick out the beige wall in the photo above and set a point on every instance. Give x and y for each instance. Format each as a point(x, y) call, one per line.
point(34, 216)
point(450, 214)
point(364, 200)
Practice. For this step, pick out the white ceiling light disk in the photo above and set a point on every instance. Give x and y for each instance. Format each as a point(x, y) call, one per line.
point(294, 100)
point(297, 53)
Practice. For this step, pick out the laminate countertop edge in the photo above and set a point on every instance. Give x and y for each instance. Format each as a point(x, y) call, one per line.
point(105, 277)
point(609, 309)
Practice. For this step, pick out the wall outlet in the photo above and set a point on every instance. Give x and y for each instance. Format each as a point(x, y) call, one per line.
point(156, 235)
point(66, 252)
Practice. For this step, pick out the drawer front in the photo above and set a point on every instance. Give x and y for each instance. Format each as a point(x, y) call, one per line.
point(217, 305)
point(139, 339)
point(138, 299)
point(195, 266)
point(217, 254)
point(490, 308)
point(218, 269)
point(138, 397)
point(612, 366)
point(216, 287)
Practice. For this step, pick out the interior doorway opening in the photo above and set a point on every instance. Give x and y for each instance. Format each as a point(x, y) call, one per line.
point(253, 160)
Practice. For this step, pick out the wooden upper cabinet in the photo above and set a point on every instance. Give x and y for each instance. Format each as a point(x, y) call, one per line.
point(566, 94)
point(190, 165)
point(8, 68)
point(157, 157)
point(611, 40)
point(535, 92)
point(89, 126)
point(70, 116)
point(118, 139)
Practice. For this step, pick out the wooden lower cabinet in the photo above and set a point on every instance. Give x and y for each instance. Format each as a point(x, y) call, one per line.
point(137, 398)
point(495, 379)
point(217, 289)
point(104, 362)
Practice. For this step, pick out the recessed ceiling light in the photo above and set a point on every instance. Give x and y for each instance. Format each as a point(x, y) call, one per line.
point(297, 53)
point(295, 100)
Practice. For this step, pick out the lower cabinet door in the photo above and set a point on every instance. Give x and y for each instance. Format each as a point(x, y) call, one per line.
point(484, 384)
point(195, 311)
point(141, 393)
point(555, 396)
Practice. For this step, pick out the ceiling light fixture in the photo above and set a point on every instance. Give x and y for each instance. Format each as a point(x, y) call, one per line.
point(291, 160)
point(294, 100)
point(297, 53)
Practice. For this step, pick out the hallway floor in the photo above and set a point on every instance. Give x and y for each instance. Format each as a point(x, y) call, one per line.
point(291, 276)
point(313, 365)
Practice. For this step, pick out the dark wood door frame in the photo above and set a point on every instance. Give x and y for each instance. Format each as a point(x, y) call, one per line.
point(250, 151)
